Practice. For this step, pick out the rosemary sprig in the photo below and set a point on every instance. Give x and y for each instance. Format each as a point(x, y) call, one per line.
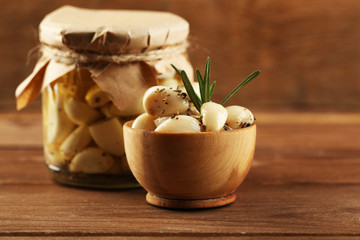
point(243, 83)
point(212, 87)
point(207, 81)
point(206, 88)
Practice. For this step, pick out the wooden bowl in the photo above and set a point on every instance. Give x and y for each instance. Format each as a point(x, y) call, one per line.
point(190, 170)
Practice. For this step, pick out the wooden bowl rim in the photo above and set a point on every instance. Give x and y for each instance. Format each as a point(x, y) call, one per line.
point(129, 123)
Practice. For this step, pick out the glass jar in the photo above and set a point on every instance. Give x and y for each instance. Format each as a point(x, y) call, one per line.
point(83, 135)
point(92, 76)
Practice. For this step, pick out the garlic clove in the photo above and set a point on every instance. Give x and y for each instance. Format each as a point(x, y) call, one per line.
point(108, 135)
point(239, 117)
point(57, 124)
point(144, 121)
point(79, 112)
point(91, 160)
point(214, 116)
point(164, 101)
point(53, 157)
point(75, 142)
point(179, 123)
point(95, 97)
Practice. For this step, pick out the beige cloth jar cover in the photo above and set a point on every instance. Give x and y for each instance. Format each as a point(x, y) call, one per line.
point(124, 50)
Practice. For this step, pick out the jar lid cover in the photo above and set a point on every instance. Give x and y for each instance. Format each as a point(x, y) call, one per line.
point(111, 31)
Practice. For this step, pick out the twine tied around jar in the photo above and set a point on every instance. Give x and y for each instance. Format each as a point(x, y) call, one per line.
point(68, 57)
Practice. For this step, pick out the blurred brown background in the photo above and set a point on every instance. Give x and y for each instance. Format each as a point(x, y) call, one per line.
point(308, 51)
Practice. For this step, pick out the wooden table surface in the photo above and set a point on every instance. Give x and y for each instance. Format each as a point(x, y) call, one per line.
point(304, 184)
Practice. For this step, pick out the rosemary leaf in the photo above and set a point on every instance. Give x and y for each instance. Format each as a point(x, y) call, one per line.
point(177, 70)
point(198, 98)
point(207, 81)
point(212, 88)
point(190, 90)
point(243, 83)
point(201, 84)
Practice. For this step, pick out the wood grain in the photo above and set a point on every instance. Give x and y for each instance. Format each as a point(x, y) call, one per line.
point(21, 129)
point(197, 237)
point(308, 53)
point(190, 166)
point(294, 209)
point(304, 184)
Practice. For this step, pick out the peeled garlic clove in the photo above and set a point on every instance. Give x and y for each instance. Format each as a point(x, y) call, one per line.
point(75, 142)
point(213, 116)
point(95, 97)
point(179, 123)
point(68, 90)
point(144, 121)
point(57, 124)
point(91, 160)
point(108, 135)
point(239, 117)
point(79, 112)
point(53, 157)
point(160, 120)
point(134, 109)
point(164, 101)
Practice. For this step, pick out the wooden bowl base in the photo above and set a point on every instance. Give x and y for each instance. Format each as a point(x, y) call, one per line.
point(189, 204)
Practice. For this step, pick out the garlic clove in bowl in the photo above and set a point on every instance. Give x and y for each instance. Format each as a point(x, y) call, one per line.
point(239, 117)
point(214, 116)
point(179, 123)
point(164, 101)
